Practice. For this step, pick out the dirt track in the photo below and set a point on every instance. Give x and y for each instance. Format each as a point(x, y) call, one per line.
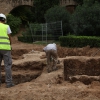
point(34, 83)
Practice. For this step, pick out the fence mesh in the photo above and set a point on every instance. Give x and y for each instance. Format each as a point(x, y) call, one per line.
point(47, 32)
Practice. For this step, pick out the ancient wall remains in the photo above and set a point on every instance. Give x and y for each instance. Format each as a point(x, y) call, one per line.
point(7, 5)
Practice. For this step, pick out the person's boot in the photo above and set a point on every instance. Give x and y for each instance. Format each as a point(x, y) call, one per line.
point(10, 85)
point(58, 62)
point(54, 68)
point(49, 71)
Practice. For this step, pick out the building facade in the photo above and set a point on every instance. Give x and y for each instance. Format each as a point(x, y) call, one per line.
point(69, 4)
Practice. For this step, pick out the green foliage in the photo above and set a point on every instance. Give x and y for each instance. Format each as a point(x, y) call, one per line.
point(79, 1)
point(14, 23)
point(35, 27)
point(86, 20)
point(79, 41)
point(58, 13)
point(32, 33)
point(86, 1)
point(41, 6)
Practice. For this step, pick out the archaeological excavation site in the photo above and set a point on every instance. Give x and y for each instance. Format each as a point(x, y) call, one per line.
point(77, 77)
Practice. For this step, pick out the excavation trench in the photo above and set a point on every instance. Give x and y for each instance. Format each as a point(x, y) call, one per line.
point(25, 71)
point(27, 66)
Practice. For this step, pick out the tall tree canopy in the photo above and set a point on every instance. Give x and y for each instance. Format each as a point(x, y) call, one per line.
point(89, 1)
point(86, 20)
point(58, 13)
point(41, 6)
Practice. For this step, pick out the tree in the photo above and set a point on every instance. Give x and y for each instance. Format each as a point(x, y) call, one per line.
point(79, 1)
point(14, 23)
point(86, 20)
point(89, 1)
point(58, 13)
point(41, 6)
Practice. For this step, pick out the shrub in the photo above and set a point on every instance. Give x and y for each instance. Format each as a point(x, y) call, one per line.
point(14, 23)
point(79, 41)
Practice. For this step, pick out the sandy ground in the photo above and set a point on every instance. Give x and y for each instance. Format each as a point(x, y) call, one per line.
point(47, 86)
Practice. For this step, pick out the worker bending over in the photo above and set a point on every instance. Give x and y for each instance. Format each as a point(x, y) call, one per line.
point(52, 57)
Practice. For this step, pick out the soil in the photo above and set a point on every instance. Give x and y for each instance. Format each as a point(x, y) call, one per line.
point(32, 82)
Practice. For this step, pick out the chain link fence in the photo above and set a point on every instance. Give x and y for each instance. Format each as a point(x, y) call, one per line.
point(46, 32)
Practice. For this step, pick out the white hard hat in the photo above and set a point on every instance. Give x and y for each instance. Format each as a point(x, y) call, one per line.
point(2, 15)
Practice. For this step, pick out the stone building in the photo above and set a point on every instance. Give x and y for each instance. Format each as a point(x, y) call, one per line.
point(7, 5)
point(69, 4)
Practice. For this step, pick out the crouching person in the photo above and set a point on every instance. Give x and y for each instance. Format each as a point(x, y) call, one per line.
point(52, 57)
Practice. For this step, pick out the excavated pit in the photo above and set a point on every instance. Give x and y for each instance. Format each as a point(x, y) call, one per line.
point(82, 68)
point(25, 71)
point(27, 65)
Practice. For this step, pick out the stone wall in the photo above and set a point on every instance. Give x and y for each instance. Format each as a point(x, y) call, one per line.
point(67, 2)
point(7, 5)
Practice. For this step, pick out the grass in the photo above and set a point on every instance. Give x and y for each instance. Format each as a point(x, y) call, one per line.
point(45, 42)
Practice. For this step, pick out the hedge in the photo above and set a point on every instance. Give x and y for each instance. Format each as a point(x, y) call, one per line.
point(79, 41)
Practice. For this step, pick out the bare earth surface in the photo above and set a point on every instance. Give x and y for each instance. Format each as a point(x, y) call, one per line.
point(34, 83)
